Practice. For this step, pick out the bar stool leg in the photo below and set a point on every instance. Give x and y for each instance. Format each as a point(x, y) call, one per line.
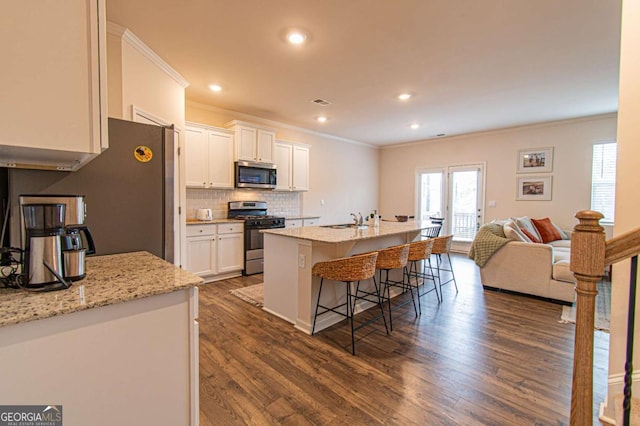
point(388, 287)
point(315, 316)
point(350, 315)
point(439, 283)
point(413, 300)
point(452, 274)
point(432, 275)
point(384, 319)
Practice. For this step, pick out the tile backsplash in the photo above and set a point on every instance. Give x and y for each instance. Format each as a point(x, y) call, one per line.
point(279, 203)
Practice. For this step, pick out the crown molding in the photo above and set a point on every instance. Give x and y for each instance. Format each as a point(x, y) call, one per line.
point(278, 124)
point(604, 116)
point(140, 46)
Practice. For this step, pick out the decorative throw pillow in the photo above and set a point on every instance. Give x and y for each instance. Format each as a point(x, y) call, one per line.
point(548, 232)
point(530, 235)
point(563, 234)
point(512, 232)
point(525, 222)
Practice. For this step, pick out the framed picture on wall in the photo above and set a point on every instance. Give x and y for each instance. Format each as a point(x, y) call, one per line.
point(534, 188)
point(535, 160)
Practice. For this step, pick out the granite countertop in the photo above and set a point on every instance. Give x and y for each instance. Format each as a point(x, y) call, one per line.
point(331, 235)
point(212, 222)
point(301, 217)
point(110, 279)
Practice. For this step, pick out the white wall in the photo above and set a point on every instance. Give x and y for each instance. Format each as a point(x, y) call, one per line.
point(572, 141)
point(627, 199)
point(342, 174)
point(136, 76)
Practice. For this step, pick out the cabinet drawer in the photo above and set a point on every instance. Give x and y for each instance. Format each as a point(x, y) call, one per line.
point(197, 230)
point(293, 223)
point(311, 222)
point(230, 228)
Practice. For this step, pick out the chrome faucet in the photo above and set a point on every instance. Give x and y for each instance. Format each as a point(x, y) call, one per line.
point(358, 219)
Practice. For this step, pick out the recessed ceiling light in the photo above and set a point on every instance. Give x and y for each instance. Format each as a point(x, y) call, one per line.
point(322, 119)
point(404, 96)
point(296, 37)
point(215, 87)
point(415, 126)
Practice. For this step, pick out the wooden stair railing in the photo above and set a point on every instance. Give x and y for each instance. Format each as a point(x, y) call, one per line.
point(590, 255)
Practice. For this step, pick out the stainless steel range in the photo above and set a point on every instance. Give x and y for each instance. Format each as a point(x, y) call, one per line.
point(254, 214)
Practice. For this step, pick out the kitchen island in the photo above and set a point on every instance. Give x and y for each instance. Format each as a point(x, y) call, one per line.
point(290, 291)
point(118, 347)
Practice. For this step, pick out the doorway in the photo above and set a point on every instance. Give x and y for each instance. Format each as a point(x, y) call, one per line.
point(455, 193)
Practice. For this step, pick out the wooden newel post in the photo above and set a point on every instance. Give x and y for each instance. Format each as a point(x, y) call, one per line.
point(588, 243)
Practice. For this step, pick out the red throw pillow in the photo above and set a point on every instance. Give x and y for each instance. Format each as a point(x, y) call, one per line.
point(548, 232)
point(532, 237)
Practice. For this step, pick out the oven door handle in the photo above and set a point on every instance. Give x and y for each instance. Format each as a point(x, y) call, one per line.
point(253, 228)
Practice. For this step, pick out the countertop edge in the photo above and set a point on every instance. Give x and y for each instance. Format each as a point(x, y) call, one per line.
point(300, 217)
point(337, 236)
point(212, 222)
point(97, 304)
point(97, 290)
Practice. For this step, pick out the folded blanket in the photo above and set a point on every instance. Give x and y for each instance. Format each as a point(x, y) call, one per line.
point(489, 239)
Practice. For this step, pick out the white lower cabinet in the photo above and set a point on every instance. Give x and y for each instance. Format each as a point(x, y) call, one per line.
point(314, 221)
point(297, 223)
point(293, 223)
point(114, 364)
point(230, 248)
point(215, 251)
point(201, 255)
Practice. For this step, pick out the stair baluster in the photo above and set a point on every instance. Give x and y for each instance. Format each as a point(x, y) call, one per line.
point(628, 365)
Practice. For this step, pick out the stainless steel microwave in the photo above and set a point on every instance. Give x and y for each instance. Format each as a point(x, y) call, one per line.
point(255, 175)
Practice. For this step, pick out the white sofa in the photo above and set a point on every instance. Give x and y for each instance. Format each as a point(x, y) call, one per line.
point(538, 269)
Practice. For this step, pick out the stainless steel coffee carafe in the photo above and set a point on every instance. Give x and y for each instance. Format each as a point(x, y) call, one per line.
point(73, 251)
point(44, 224)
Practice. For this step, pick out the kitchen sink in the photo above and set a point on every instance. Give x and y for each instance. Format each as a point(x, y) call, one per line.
point(345, 226)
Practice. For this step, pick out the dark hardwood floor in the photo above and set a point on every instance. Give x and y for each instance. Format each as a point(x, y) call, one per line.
point(477, 358)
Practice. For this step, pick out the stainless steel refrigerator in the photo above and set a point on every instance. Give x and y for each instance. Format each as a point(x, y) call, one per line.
point(128, 190)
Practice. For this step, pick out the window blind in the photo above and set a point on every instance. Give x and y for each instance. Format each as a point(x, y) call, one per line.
point(603, 180)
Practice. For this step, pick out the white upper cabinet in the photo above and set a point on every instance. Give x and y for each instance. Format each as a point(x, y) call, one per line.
point(208, 157)
point(300, 168)
point(253, 142)
point(246, 143)
point(53, 108)
point(292, 162)
point(282, 160)
point(220, 159)
point(265, 142)
point(196, 157)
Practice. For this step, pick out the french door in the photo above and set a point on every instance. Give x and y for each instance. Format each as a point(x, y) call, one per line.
point(455, 193)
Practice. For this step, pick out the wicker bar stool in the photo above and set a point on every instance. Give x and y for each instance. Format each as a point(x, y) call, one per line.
point(349, 270)
point(394, 257)
point(433, 231)
point(442, 247)
point(420, 251)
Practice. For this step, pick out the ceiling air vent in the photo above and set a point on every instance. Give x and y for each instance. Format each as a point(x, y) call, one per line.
point(321, 102)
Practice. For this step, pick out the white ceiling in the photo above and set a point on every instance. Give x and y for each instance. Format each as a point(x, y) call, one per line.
point(472, 65)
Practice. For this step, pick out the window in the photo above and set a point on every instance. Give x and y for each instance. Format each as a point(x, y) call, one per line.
point(603, 180)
